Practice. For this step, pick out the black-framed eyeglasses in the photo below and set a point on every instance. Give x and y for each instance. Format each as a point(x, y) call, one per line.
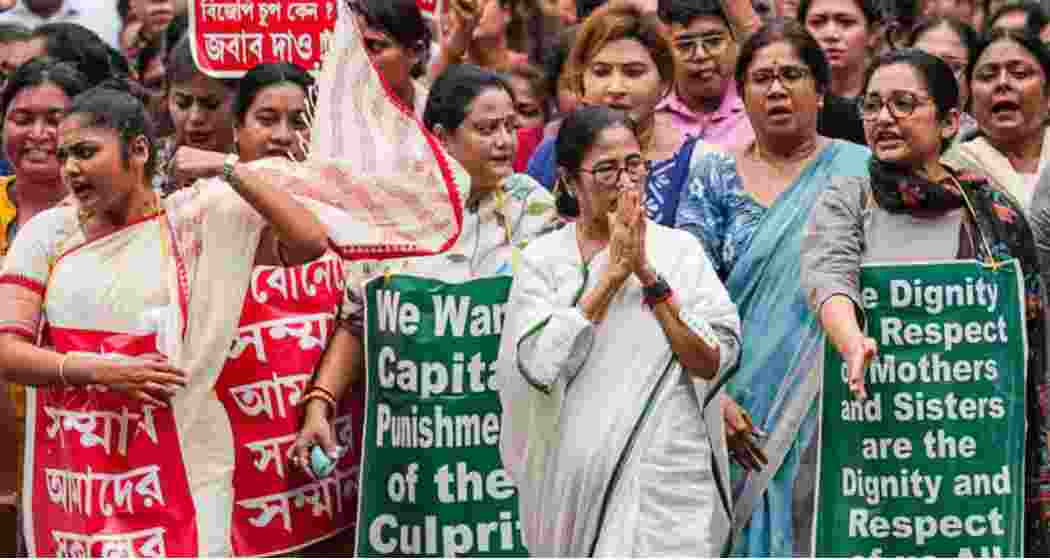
point(901, 104)
point(789, 76)
point(713, 45)
point(607, 175)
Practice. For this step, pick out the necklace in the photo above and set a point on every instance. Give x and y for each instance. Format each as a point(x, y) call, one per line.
point(151, 207)
point(793, 162)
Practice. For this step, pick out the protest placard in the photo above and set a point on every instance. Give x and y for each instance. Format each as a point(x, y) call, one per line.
point(932, 462)
point(432, 480)
point(230, 37)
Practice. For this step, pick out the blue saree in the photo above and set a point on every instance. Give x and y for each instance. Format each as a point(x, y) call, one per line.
point(756, 252)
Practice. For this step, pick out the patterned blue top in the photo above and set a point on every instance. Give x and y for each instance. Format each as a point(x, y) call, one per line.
point(662, 193)
point(720, 212)
point(756, 251)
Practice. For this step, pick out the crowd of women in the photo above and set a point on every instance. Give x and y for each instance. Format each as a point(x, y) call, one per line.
point(684, 192)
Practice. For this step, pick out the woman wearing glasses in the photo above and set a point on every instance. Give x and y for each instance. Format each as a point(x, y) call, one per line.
point(622, 60)
point(616, 329)
point(1011, 89)
point(915, 208)
point(748, 207)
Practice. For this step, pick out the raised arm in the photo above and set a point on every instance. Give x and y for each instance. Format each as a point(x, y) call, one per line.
point(301, 235)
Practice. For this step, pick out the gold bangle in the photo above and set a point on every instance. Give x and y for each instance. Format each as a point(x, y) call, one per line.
point(314, 394)
point(62, 369)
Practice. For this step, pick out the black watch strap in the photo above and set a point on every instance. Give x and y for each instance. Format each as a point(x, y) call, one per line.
point(657, 291)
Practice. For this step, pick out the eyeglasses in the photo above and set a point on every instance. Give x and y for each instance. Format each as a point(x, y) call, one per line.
point(900, 103)
point(713, 45)
point(788, 76)
point(607, 175)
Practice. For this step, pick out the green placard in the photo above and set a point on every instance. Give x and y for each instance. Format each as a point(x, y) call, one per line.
point(432, 481)
point(932, 463)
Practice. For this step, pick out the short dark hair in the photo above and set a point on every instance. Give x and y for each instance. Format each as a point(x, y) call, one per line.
point(683, 12)
point(791, 32)
point(265, 75)
point(1035, 17)
point(71, 42)
point(869, 8)
point(13, 33)
point(181, 68)
point(1028, 42)
point(964, 31)
point(580, 130)
point(455, 90)
point(112, 106)
point(403, 21)
point(938, 76)
point(40, 71)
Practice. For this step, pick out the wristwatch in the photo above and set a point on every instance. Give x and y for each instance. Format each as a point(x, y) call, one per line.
point(656, 292)
point(227, 169)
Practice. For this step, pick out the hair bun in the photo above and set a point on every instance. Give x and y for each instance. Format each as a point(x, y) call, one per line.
point(125, 85)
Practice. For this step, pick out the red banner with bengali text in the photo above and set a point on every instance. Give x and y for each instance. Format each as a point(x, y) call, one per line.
point(286, 322)
point(107, 476)
point(230, 37)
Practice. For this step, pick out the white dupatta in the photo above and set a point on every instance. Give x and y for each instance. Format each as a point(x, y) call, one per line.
point(382, 186)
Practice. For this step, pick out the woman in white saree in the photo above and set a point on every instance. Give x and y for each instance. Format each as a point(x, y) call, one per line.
point(123, 277)
point(616, 327)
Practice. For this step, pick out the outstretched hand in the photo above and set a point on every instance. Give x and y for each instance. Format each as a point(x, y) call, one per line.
point(857, 358)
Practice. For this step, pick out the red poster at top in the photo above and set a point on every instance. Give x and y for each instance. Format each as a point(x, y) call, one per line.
point(430, 8)
point(230, 37)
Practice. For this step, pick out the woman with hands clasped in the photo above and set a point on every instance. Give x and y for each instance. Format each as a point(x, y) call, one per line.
point(915, 208)
point(616, 327)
